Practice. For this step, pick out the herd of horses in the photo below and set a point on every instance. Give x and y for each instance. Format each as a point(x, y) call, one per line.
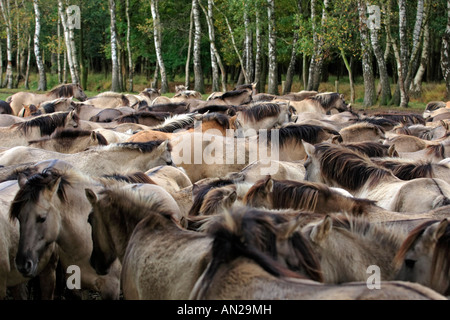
point(239, 196)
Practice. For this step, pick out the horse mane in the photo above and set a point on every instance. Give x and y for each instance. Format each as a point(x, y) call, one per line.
point(144, 147)
point(70, 135)
point(230, 94)
point(200, 191)
point(363, 125)
point(408, 170)
point(326, 99)
point(244, 87)
point(434, 105)
point(221, 119)
point(260, 111)
point(176, 122)
point(441, 252)
point(371, 149)
point(437, 150)
point(379, 121)
point(289, 194)
point(216, 109)
point(351, 169)
point(47, 123)
point(250, 233)
point(137, 177)
point(135, 117)
point(63, 90)
point(307, 132)
point(406, 118)
point(36, 183)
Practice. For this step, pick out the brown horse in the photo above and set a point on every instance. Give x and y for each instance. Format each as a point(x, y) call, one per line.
point(424, 256)
point(20, 99)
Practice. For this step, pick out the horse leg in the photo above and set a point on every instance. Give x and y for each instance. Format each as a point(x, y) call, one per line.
point(19, 292)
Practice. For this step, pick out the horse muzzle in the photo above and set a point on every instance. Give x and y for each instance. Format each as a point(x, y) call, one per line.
point(26, 266)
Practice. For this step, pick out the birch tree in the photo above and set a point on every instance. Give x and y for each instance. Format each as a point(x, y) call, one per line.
point(188, 58)
point(445, 53)
point(273, 76)
point(158, 40)
point(369, 81)
point(69, 52)
point(258, 54)
point(6, 13)
point(199, 84)
point(42, 84)
point(115, 85)
point(130, 57)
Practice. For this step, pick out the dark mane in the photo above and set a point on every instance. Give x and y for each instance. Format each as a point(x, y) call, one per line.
point(137, 177)
point(221, 119)
point(369, 148)
point(386, 123)
point(252, 234)
point(230, 94)
point(33, 187)
point(352, 170)
point(295, 132)
point(434, 105)
point(408, 170)
point(437, 150)
point(441, 252)
point(405, 118)
point(326, 100)
point(231, 110)
point(200, 191)
point(70, 135)
point(47, 123)
point(144, 147)
point(289, 194)
point(260, 111)
point(63, 90)
point(135, 117)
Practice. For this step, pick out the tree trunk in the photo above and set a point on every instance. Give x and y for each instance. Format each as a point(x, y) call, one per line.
point(115, 85)
point(130, 57)
point(386, 94)
point(273, 76)
point(188, 59)
point(58, 55)
point(42, 86)
point(416, 85)
point(73, 48)
point(69, 58)
point(1, 64)
point(350, 76)
point(291, 68)
point(445, 54)
point(369, 81)
point(215, 57)
point(27, 73)
point(154, 83)
point(157, 37)
point(199, 83)
point(6, 12)
point(248, 43)
point(258, 56)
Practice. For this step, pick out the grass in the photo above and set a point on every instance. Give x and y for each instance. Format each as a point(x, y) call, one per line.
point(99, 83)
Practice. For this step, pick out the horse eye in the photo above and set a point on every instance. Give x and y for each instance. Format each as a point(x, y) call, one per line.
point(410, 263)
point(40, 219)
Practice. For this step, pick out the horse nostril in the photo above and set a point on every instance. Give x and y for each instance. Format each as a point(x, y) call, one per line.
point(410, 263)
point(26, 268)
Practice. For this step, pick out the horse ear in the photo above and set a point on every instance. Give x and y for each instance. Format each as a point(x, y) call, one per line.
point(268, 185)
point(165, 146)
point(22, 179)
point(309, 148)
point(286, 229)
point(336, 139)
point(321, 230)
point(91, 196)
point(231, 197)
point(392, 152)
point(437, 230)
point(93, 136)
point(52, 188)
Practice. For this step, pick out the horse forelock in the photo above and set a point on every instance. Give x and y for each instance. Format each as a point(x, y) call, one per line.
point(202, 190)
point(34, 186)
point(350, 169)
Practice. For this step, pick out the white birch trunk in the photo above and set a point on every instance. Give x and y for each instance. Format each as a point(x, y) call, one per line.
point(157, 37)
point(199, 84)
point(69, 59)
point(115, 85)
point(42, 86)
point(273, 76)
point(130, 57)
point(6, 12)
